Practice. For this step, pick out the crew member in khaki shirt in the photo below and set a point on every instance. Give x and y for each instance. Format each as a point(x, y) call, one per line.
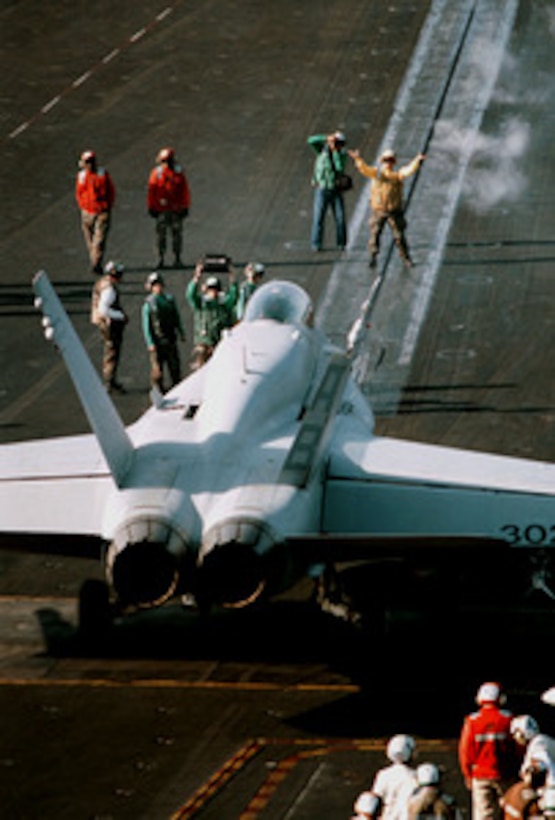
point(386, 200)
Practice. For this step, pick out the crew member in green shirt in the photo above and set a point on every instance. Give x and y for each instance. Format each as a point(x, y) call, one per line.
point(329, 165)
point(213, 311)
point(254, 272)
point(162, 327)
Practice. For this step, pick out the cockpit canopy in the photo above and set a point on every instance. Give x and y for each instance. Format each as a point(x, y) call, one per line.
point(283, 302)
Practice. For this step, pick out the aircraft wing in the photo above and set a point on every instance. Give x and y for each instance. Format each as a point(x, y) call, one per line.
point(384, 487)
point(53, 486)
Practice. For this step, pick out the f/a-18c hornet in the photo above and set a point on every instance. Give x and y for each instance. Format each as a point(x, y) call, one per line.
point(259, 467)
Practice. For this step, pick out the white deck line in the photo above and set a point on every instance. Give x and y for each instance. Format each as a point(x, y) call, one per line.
point(358, 219)
point(336, 311)
point(424, 294)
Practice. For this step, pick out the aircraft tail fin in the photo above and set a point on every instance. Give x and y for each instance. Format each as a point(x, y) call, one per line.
point(99, 408)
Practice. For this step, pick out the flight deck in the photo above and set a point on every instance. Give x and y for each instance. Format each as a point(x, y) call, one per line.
point(279, 713)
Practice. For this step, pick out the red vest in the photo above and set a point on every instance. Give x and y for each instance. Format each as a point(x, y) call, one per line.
point(486, 748)
point(168, 189)
point(94, 192)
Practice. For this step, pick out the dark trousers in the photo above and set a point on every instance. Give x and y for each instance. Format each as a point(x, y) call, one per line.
point(165, 354)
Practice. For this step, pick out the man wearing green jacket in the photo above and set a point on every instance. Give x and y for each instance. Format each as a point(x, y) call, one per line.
point(161, 327)
point(328, 166)
point(213, 311)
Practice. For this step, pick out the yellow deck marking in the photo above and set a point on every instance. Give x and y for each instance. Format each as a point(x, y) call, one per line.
point(170, 683)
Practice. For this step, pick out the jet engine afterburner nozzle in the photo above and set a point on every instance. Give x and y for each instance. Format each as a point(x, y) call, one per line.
point(143, 561)
point(235, 562)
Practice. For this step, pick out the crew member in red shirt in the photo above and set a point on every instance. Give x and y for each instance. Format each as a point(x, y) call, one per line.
point(95, 195)
point(487, 753)
point(168, 202)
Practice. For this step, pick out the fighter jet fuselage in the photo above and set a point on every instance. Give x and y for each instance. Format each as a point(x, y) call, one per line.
point(260, 466)
point(203, 495)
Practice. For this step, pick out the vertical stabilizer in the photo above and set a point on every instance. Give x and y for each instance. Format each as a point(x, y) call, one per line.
point(101, 413)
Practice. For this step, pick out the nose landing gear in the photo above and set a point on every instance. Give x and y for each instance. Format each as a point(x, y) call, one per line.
point(542, 576)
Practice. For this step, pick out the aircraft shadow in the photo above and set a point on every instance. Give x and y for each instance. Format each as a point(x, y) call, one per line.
point(420, 680)
point(425, 712)
point(414, 633)
point(282, 631)
point(419, 669)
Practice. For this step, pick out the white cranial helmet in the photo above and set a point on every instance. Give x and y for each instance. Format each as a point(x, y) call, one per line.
point(367, 803)
point(114, 269)
point(427, 774)
point(524, 727)
point(489, 693)
point(400, 748)
point(165, 154)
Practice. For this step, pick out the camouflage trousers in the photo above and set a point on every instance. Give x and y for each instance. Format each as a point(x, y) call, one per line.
point(95, 229)
point(485, 799)
point(397, 222)
point(172, 222)
point(200, 355)
point(112, 336)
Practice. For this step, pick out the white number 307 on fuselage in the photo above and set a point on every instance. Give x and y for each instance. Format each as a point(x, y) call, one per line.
point(259, 467)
